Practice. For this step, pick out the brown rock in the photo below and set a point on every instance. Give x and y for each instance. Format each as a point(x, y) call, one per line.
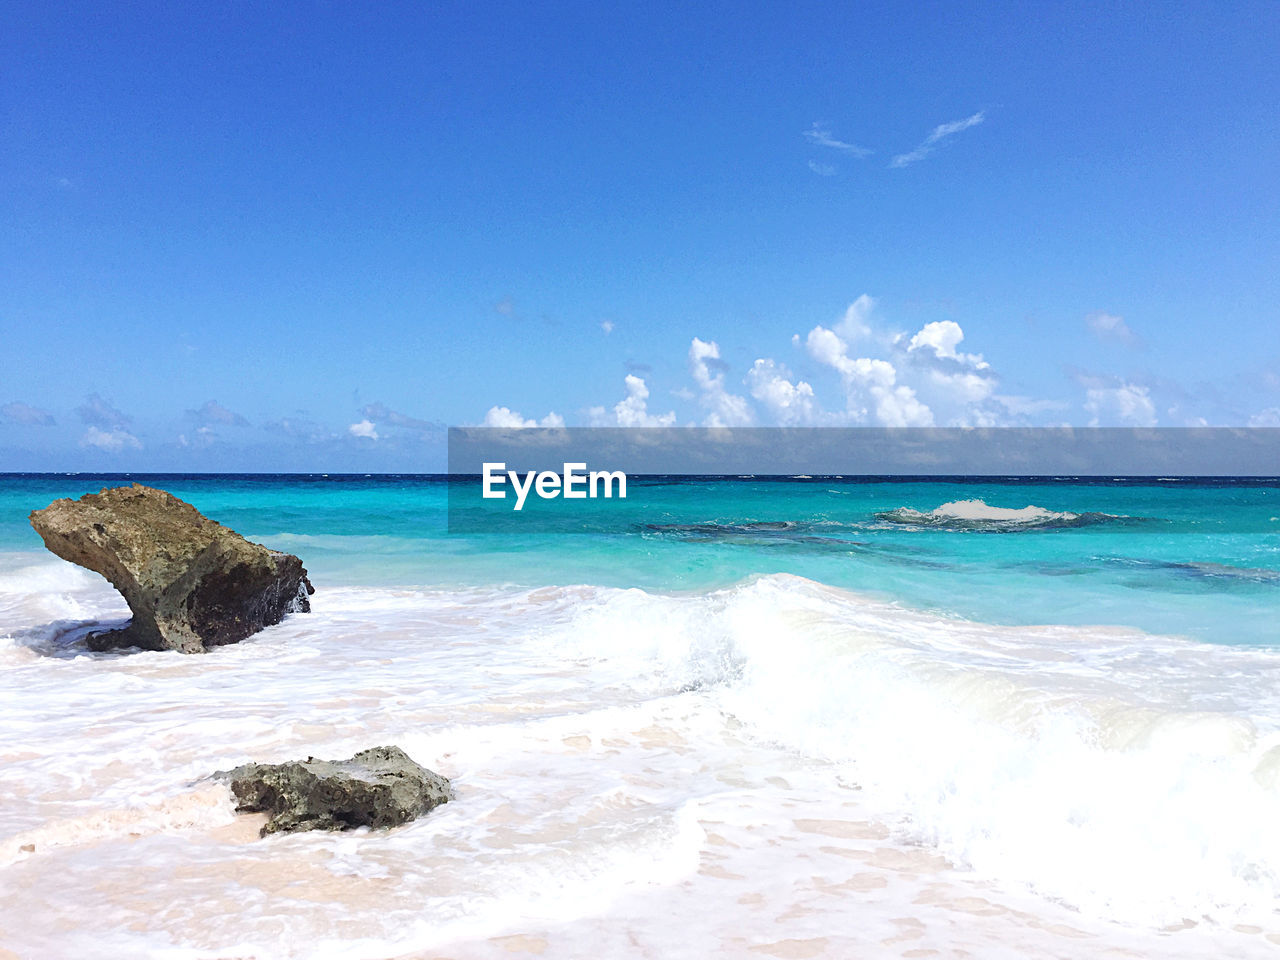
point(190, 582)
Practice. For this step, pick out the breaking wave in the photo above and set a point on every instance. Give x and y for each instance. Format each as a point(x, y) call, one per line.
point(978, 516)
point(1128, 775)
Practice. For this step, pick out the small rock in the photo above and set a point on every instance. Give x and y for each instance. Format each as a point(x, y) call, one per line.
point(379, 787)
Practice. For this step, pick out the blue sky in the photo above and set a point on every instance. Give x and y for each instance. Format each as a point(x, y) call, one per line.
point(302, 236)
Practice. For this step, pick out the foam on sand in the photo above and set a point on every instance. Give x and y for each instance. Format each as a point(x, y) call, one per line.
point(777, 768)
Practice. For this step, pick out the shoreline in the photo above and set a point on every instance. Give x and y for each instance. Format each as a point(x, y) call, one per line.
point(580, 772)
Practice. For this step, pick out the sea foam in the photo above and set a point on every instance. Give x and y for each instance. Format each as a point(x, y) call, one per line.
point(978, 515)
point(1129, 775)
point(776, 762)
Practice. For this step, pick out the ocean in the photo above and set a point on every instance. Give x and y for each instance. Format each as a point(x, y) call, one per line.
point(746, 716)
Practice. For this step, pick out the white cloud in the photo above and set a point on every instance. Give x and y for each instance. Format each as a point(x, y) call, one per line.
point(820, 136)
point(957, 386)
point(26, 415)
point(825, 346)
point(726, 409)
point(365, 428)
point(300, 428)
point(1125, 404)
point(213, 412)
point(942, 337)
point(1025, 406)
point(869, 382)
point(940, 133)
point(1269, 417)
point(791, 404)
point(606, 326)
point(509, 419)
point(203, 437)
point(887, 378)
point(632, 411)
point(947, 129)
point(97, 412)
point(1108, 326)
point(822, 169)
point(919, 379)
point(856, 321)
point(110, 440)
point(900, 407)
point(381, 414)
point(966, 388)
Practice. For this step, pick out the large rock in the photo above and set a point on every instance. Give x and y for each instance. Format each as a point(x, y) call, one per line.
point(190, 582)
point(380, 787)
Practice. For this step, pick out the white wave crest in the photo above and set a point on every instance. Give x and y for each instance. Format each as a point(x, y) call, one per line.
point(979, 515)
point(1131, 776)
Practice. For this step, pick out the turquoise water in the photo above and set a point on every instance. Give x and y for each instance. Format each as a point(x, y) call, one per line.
point(814, 675)
point(1193, 558)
